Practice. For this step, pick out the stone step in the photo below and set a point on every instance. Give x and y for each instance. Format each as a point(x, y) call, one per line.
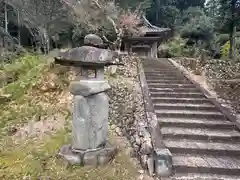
point(184, 106)
point(156, 69)
point(163, 74)
point(202, 147)
point(222, 165)
point(177, 95)
point(179, 100)
point(162, 70)
point(167, 85)
point(164, 77)
point(189, 114)
point(159, 67)
point(196, 123)
point(181, 81)
point(218, 135)
point(188, 90)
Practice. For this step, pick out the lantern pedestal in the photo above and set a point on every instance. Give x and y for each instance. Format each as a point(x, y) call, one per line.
point(90, 107)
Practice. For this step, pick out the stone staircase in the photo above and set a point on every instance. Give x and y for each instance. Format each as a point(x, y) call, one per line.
point(203, 142)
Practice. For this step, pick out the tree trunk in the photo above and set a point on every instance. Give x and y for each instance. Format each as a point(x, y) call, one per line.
point(158, 6)
point(234, 43)
point(19, 29)
point(6, 17)
point(232, 49)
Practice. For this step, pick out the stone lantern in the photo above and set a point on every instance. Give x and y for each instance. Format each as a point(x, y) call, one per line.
point(90, 104)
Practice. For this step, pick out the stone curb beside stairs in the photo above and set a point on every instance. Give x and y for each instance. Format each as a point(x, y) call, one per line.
point(160, 162)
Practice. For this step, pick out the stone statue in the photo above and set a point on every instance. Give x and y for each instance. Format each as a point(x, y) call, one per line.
point(90, 104)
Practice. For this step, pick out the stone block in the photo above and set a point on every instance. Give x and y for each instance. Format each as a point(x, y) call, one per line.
point(93, 39)
point(68, 155)
point(86, 56)
point(143, 161)
point(146, 147)
point(163, 162)
point(90, 121)
point(106, 155)
point(90, 159)
point(88, 87)
point(150, 165)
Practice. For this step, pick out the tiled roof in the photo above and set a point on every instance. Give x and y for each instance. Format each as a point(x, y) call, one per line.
point(148, 29)
point(151, 28)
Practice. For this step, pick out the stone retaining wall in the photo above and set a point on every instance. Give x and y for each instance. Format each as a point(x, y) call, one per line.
point(130, 115)
point(127, 114)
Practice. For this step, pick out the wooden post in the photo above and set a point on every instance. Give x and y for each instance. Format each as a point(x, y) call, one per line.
point(126, 47)
point(130, 49)
point(154, 49)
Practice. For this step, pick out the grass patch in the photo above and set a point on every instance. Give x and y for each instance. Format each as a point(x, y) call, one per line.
point(35, 92)
point(37, 160)
point(22, 99)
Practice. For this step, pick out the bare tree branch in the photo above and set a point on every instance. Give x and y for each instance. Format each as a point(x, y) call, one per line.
point(107, 17)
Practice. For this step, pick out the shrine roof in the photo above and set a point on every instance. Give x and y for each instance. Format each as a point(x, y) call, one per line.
point(142, 38)
point(149, 28)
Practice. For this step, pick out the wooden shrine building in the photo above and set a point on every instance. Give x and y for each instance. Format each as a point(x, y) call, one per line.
point(146, 44)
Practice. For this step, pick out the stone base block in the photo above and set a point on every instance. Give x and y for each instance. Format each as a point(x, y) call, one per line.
point(163, 163)
point(91, 157)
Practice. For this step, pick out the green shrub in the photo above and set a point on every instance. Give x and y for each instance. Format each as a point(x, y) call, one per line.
point(192, 12)
point(19, 68)
point(175, 50)
point(225, 49)
point(175, 47)
point(198, 28)
point(21, 74)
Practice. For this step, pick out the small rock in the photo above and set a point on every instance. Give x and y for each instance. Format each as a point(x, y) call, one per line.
point(12, 130)
point(118, 131)
point(140, 133)
point(70, 157)
point(146, 148)
point(135, 146)
point(124, 131)
point(150, 164)
point(138, 140)
point(141, 177)
point(132, 140)
point(141, 171)
point(144, 159)
point(113, 126)
point(129, 151)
